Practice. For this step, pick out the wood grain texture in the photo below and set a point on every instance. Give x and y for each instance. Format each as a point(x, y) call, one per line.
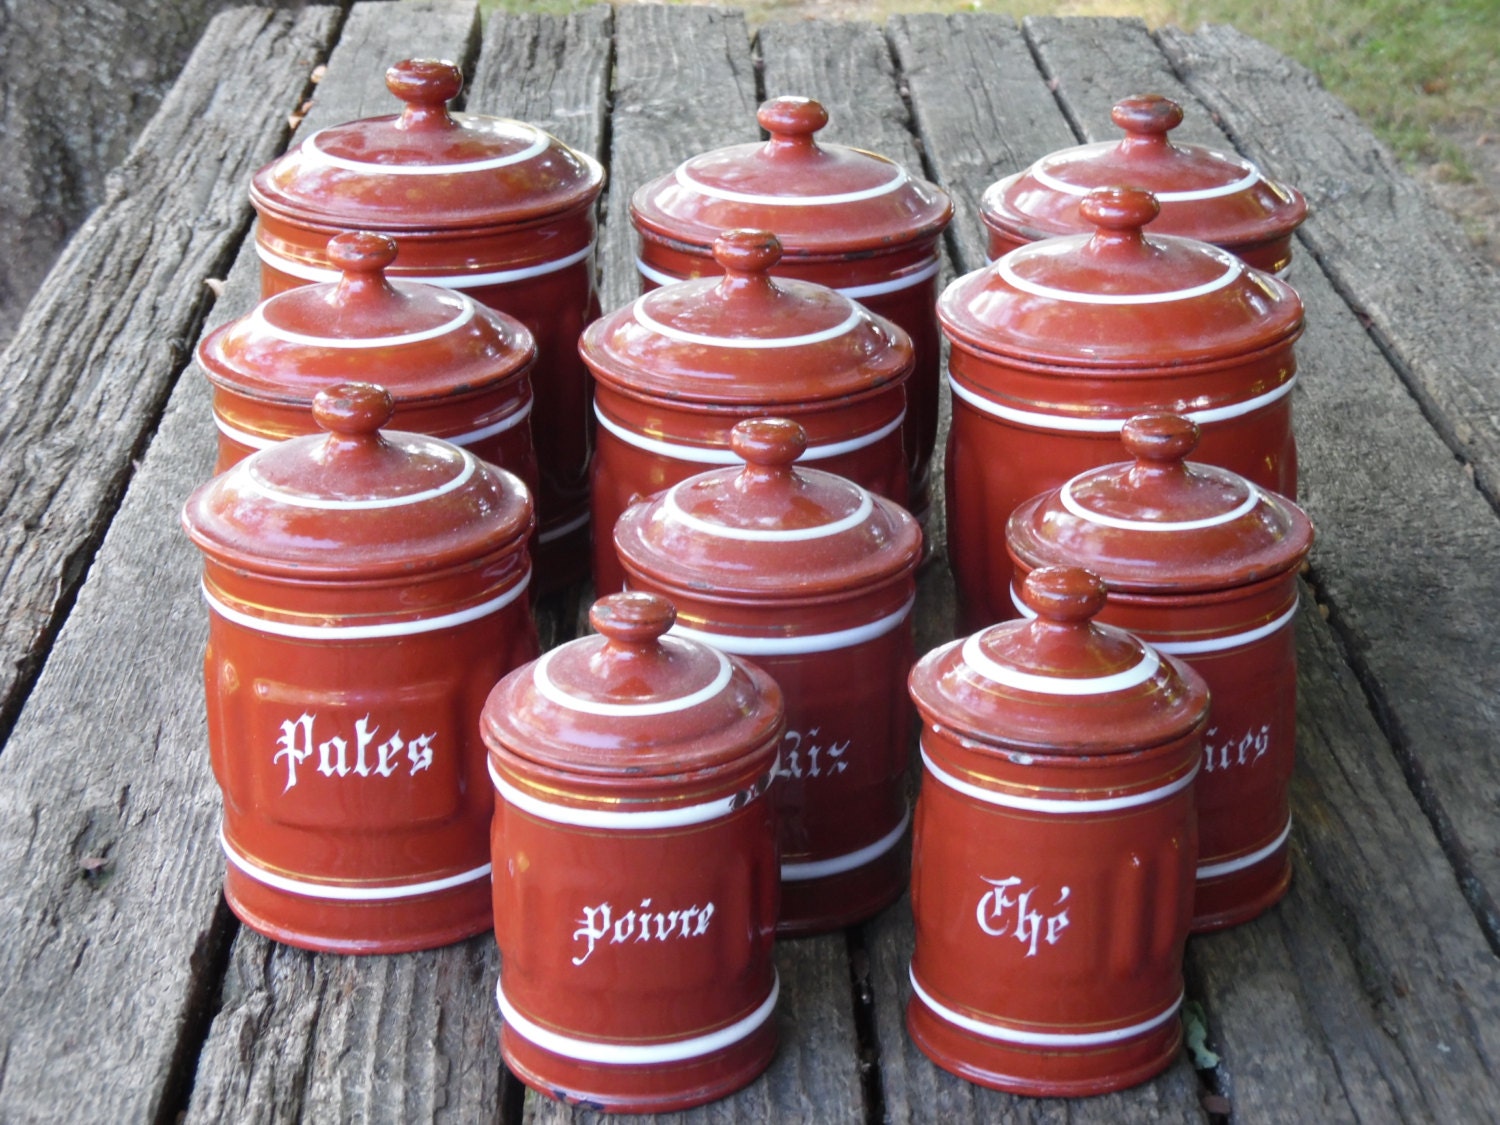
point(684, 83)
point(981, 107)
point(92, 361)
point(552, 72)
point(814, 1077)
point(1396, 257)
point(1369, 993)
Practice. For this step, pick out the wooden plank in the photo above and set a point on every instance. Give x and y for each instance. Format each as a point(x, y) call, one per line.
point(684, 83)
point(982, 110)
point(85, 378)
point(1396, 257)
point(109, 877)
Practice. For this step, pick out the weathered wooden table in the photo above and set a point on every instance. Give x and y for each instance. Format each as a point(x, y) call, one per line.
point(129, 993)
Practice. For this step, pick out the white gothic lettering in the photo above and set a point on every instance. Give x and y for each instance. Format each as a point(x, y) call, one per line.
point(370, 754)
point(600, 923)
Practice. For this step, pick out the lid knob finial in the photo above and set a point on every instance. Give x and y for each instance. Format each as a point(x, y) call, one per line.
point(362, 258)
point(1119, 209)
point(1147, 117)
point(1160, 438)
point(426, 86)
point(742, 252)
point(1064, 595)
point(768, 444)
point(632, 618)
point(353, 410)
point(791, 121)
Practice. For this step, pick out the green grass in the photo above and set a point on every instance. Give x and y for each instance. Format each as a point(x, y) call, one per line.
point(1419, 71)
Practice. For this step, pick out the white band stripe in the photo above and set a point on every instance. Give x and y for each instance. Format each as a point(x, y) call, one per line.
point(341, 892)
point(683, 816)
point(894, 183)
point(853, 292)
point(1068, 806)
point(550, 534)
point(674, 511)
point(1070, 502)
point(255, 441)
point(369, 167)
point(975, 656)
point(797, 646)
point(723, 455)
point(651, 324)
point(551, 692)
point(1233, 268)
point(1240, 863)
point(837, 865)
point(446, 281)
point(1190, 648)
point(259, 323)
point(1067, 424)
point(1040, 1038)
point(367, 632)
point(323, 504)
point(1250, 178)
point(242, 437)
point(629, 1054)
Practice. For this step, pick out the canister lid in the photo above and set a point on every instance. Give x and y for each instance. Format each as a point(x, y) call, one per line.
point(418, 341)
point(746, 339)
point(1119, 298)
point(425, 167)
point(768, 531)
point(1059, 683)
point(631, 703)
point(819, 199)
point(357, 502)
point(1160, 524)
point(1205, 194)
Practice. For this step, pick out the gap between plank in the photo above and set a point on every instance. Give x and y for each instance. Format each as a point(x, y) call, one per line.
point(205, 997)
point(862, 997)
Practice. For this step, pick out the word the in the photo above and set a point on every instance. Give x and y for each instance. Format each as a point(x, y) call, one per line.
point(1250, 749)
point(598, 923)
point(296, 744)
point(813, 760)
point(999, 914)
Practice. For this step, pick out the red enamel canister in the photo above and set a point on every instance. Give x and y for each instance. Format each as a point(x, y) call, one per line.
point(678, 367)
point(1202, 564)
point(495, 208)
point(811, 578)
point(456, 369)
point(635, 864)
point(1204, 194)
point(846, 218)
point(366, 589)
point(1061, 341)
point(1052, 860)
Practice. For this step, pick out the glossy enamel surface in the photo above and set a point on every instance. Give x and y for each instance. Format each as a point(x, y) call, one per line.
point(848, 219)
point(678, 368)
point(1059, 343)
point(1204, 194)
point(1202, 564)
point(635, 864)
point(812, 579)
point(365, 589)
point(1055, 836)
point(494, 209)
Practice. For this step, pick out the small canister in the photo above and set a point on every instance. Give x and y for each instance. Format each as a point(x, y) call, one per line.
point(678, 367)
point(812, 579)
point(1059, 342)
point(635, 865)
point(1202, 564)
point(1052, 861)
point(366, 590)
point(495, 208)
point(456, 369)
point(1204, 194)
point(846, 218)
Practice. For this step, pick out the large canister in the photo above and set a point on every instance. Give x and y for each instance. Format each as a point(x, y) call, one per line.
point(811, 578)
point(847, 218)
point(635, 865)
point(1204, 194)
point(1202, 564)
point(678, 367)
point(365, 590)
point(1055, 839)
point(456, 369)
point(1059, 342)
point(495, 208)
